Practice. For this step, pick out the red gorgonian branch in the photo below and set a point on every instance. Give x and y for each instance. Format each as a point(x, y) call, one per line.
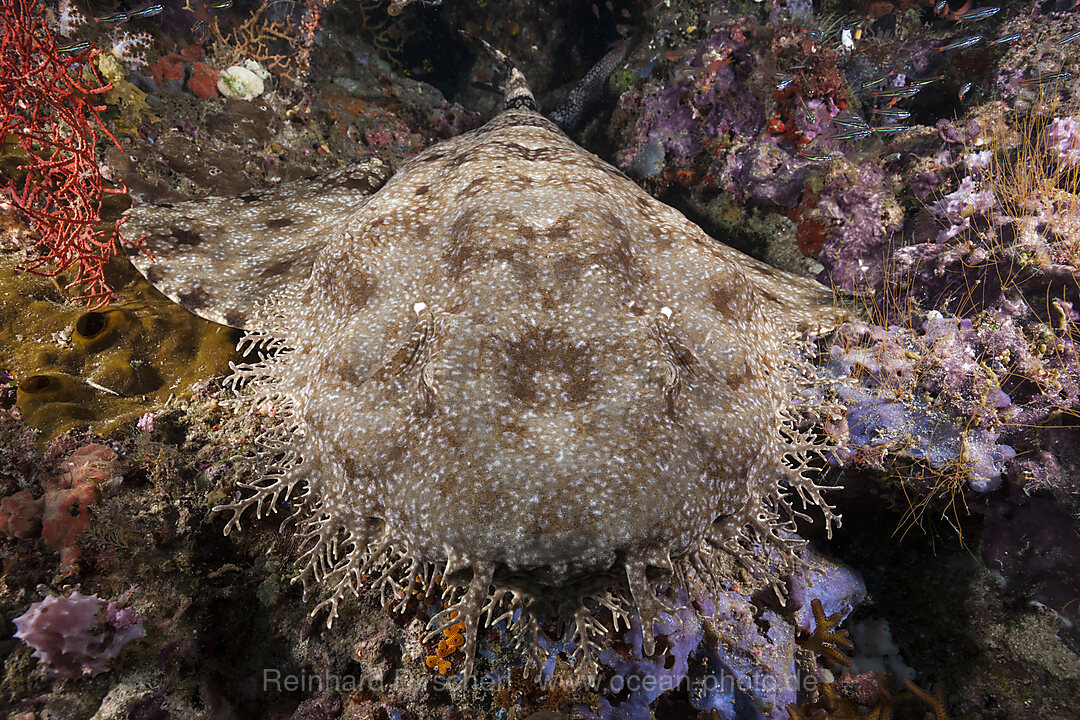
point(49, 104)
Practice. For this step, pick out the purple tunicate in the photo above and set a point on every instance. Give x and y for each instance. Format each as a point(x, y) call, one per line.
point(70, 639)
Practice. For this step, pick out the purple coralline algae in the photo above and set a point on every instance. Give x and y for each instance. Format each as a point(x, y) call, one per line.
point(765, 174)
point(1038, 54)
point(73, 637)
point(959, 206)
point(963, 371)
point(856, 204)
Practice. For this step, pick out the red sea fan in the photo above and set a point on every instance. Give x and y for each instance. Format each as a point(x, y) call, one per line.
point(49, 105)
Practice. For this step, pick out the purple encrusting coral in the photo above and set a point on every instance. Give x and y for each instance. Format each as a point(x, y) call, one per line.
point(922, 397)
point(702, 105)
point(735, 661)
point(73, 637)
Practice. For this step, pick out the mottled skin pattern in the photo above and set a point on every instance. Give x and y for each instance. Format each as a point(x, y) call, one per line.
point(514, 366)
point(588, 91)
point(217, 255)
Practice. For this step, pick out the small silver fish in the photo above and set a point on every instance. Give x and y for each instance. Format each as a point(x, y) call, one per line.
point(120, 17)
point(878, 81)
point(852, 134)
point(75, 47)
point(1006, 39)
point(1047, 78)
point(1066, 40)
point(888, 129)
point(149, 11)
point(961, 43)
point(964, 91)
point(977, 14)
point(815, 158)
point(854, 122)
point(893, 114)
point(926, 81)
point(896, 92)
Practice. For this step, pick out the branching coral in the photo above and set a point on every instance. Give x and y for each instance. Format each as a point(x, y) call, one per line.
point(860, 697)
point(120, 43)
point(253, 39)
point(937, 702)
point(828, 640)
point(866, 696)
point(49, 109)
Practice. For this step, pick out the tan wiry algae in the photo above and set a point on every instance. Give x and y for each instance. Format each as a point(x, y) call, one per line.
point(512, 367)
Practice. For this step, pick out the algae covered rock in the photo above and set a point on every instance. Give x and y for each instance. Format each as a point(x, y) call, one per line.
point(100, 368)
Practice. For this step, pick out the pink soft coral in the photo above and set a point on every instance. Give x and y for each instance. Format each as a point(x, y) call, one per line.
point(67, 499)
point(62, 513)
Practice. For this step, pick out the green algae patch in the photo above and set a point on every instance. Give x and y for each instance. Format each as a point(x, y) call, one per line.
point(131, 107)
point(129, 102)
point(100, 369)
